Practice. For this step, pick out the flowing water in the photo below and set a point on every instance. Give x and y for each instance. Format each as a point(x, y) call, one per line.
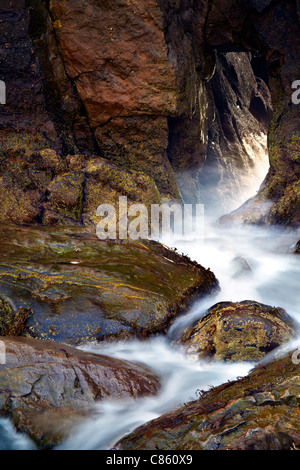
point(273, 280)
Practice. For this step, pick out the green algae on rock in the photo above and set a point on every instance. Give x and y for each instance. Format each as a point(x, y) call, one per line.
point(12, 323)
point(46, 387)
point(242, 331)
point(43, 187)
point(80, 288)
point(257, 412)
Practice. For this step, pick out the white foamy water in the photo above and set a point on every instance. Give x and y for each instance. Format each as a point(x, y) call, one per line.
point(11, 440)
point(180, 375)
point(274, 280)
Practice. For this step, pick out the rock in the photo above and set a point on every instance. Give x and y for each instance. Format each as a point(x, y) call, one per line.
point(66, 194)
point(237, 153)
point(242, 331)
point(81, 288)
point(43, 384)
point(106, 181)
point(25, 121)
point(297, 248)
point(125, 79)
point(257, 412)
point(42, 187)
point(12, 323)
point(240, 267)
point(277, 201)
point(160, 89)
point(262, 210)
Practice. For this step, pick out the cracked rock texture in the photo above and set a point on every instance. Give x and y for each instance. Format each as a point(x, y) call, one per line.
point(44, 386)
point(257, 412)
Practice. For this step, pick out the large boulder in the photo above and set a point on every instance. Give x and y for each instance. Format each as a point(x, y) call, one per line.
point(257, 412)
point(242, 331)
point(124, 78)
point(80, 288)
point(44, 384)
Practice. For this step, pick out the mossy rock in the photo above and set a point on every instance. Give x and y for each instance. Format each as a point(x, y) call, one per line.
point(242, 331)
point(42, 187)
point(66, 194)
point(7, 316)
point(12, 323)
point(257, 412)
point(80, 288)
point(106, 182)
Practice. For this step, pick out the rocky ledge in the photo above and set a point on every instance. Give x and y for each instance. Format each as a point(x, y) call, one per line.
point(46, 387)
point(75, 287)
point(257, 412)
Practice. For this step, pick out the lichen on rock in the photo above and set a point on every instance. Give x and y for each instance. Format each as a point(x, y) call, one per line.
point(242, 331)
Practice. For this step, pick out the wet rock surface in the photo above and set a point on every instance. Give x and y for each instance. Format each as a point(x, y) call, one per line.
point(160, 89)
point(44, 385)
point(243, 331)
point(236, 154)
point(81, 288)
point(257, 412)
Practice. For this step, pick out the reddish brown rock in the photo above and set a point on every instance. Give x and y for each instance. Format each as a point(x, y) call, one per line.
point(118, 68)
point(43, 384)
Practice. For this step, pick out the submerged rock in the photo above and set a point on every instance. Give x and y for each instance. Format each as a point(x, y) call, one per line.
point(257, 412)
point(44, 386)
point(240, 267)
point(242, 331)
point(81, 288)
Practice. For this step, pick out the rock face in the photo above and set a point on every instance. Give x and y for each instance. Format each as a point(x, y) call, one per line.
point(243, 331)
point(237, 153)
point(43, 384)
point(80, 288)
point(41, 187)
point(277, 202)
point(124, 80)
point(161, 88)
point(258, 412)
